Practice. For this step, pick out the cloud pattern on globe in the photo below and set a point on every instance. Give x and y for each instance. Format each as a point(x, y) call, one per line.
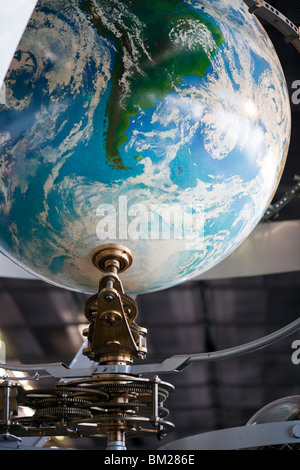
point(161, 125)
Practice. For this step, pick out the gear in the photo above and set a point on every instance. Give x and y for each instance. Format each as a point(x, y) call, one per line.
point(56, 413)
point(130, 307)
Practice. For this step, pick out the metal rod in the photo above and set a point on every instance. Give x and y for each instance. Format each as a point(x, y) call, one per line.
point(248, 347)
point(6, 404)
point(155, 398)
point(116, 440)
point(179, 362)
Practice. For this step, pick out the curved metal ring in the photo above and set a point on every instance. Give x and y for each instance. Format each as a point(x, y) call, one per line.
point(270, 14)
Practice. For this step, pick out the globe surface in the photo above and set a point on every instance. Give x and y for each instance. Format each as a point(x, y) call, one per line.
point(163, 125)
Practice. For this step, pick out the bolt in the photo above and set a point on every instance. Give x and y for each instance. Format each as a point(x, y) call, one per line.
point(296, 430)
point(110, 319)
point(109, 297)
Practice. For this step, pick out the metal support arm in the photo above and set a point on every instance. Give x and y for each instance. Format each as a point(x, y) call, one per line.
point(172, 364)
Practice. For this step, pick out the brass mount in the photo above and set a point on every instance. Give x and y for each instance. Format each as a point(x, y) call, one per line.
point(112, 255)
point(113, 335)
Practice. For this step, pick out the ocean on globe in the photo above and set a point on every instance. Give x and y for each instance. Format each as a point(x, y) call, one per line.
point(163, 125)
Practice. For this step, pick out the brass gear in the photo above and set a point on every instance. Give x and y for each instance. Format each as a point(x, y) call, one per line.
point(129, 305)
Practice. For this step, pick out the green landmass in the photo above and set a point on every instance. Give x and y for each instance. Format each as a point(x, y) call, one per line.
point(161, 65)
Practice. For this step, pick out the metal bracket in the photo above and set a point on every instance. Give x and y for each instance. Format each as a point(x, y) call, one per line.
point(270, 14)
point(9, 441)
point(45, 371)
point(61, 371)
point(175, 363)
point(259, 4)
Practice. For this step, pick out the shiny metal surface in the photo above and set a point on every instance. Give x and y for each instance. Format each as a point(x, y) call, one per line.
point(284, 409)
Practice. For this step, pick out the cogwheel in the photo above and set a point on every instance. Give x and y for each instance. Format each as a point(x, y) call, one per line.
point(58, 412)
point(90, 309)
point(65, 401)
point(64, 392)
point(130, 307)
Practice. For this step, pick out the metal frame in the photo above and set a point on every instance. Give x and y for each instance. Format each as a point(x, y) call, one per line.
point(274, 209)
point(175, 363)
point(243, 437)
point(267, 12)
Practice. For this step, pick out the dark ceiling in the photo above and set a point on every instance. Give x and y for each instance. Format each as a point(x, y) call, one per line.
point(41, 323)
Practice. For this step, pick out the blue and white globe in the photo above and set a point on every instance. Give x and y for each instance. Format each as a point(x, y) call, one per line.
point(163, 125)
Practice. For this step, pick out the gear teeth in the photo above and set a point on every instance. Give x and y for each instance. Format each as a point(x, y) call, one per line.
point(130, 307)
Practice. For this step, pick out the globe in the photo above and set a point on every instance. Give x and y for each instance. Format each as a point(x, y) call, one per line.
point(163, 125)
point(283, 409)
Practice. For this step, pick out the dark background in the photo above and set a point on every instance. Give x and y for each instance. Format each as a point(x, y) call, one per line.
point(41, 323)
